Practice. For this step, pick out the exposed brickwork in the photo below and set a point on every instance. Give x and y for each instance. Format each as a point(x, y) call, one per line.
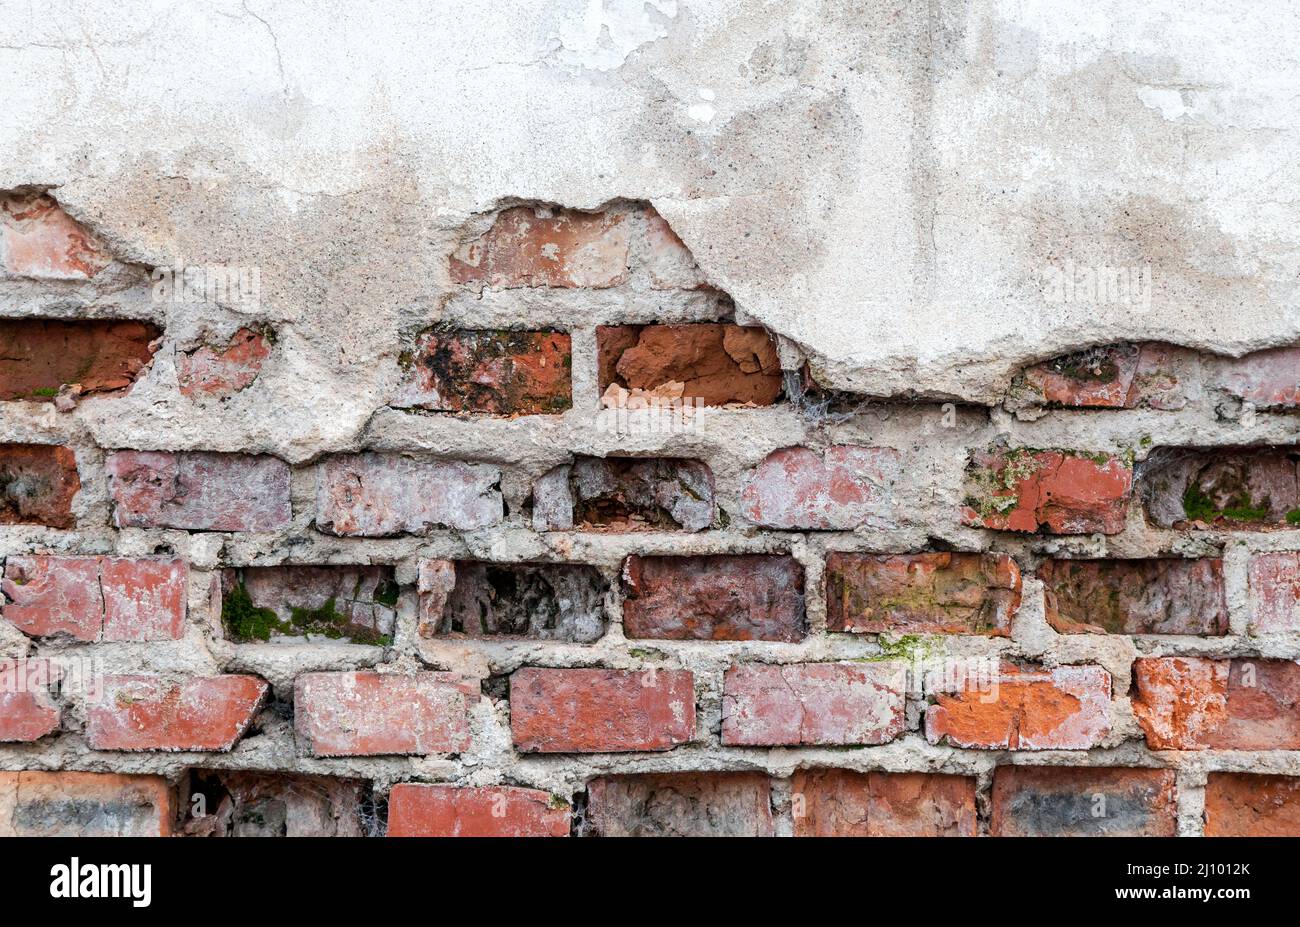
point(1229, 488)
point(681, 805)
point(812, 703)
point(1136, 596)
point(39, 240)
point(27, 708)
point(358, 604)
point(249, 804)
point(373, 714)
point(536, 246)
point(1058, 492)
point(450, 811)
point(377, 495)
point(198, 491)
point(715, 364)
point(843, 803)
point(625, 494)
point(44, 356)
point(1245, 805)
point(732, 598)
point(841, 488)
point(1275, 592)
point(220, 371)
point(37, 485)
point(922, 593)
point(158, 713)
point(499, 372)
point(84, 804)
point(1062, 801)
point(600, 711)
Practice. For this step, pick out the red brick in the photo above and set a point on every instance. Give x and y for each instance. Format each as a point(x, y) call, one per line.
point(1269, 379)
point(1274, 581)
point(377, 714)
point(600, 710)
point(198, 713)
point(532, 246)
point(716, 363)
point(1059, 492)
point(1246, 805)
point(497, 372)
point(843, 803)
point(1063, 801)
point(705, 804)
point(37, 485)
point(379, 495)
point(813, 703)
point(250, 804)
point(39, 240)
point(354, 603)
point(937, 593)
point(625, 494)
point(27, 708)
point(41, 356)
point(1122, 376)
point(223, 371)
point(1194, 703)
point(1158, 596)
point(842, 488)
point(198, 491)
point(84, 804)
point(1065, 708)
point(1230, 488)
point(724, 598)
point(94, 598)
point(497, 811)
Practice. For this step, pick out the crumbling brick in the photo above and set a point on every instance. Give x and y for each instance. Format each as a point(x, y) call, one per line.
point(198, 491)
point(625, 494)
point(37, 485)
point(496, 372)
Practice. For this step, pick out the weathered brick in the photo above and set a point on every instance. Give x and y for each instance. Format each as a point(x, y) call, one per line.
point(221, 371)
point(539, 601)
point(84, 804)
point(42, 356)
point(416, 810)
point(1064, 708)
point(704, 804)
point(600, 710)
point(37, 485)
point(1157, 596)
point(198, 491)
point(813, 703)
point(1059, 492)
point(1274, 583)
point(1120, 376)
point(379, 495)
point(1269, 379)
point(250, 804)
point(936, 593)
point(843, 803)
point(1246, 805)
point(375, 714)
point(725, 597)
point(355, 603)
point(498, 372)
point(39, 240)
point(1194, 703)
point(668, 261)
point(1063, 801)
point(94, 598)
point(625, 494)
point(1233, 488)
point(716, 363)
point(839, 489)
point(27, 708)
point(531, 246)
point(197, 713)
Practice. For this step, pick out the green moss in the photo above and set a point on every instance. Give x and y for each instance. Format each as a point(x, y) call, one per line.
point(244, 621)
point(1198, 506)
point(386, 593)
point(328, 622)
point(909, 647)
point(1293, 517)
point(46, 392)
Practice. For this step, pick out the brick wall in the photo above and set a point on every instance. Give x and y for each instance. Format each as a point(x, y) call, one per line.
point(607, 560)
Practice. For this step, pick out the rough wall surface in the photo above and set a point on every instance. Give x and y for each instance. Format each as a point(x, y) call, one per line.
point(649, 418)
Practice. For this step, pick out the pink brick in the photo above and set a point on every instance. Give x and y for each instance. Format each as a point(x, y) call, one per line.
point(198, 713)
point(600, 710)
point(198, 491)
point(531, 246)
point(842, 488)
point(1269, 379)
point(38, 239)
point(416, 810)
point(1275, 592)
point(27, 710)
point(94, 598)
point(813, 703)
point(378, 495)
point(375, 714)
point(224, 370)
